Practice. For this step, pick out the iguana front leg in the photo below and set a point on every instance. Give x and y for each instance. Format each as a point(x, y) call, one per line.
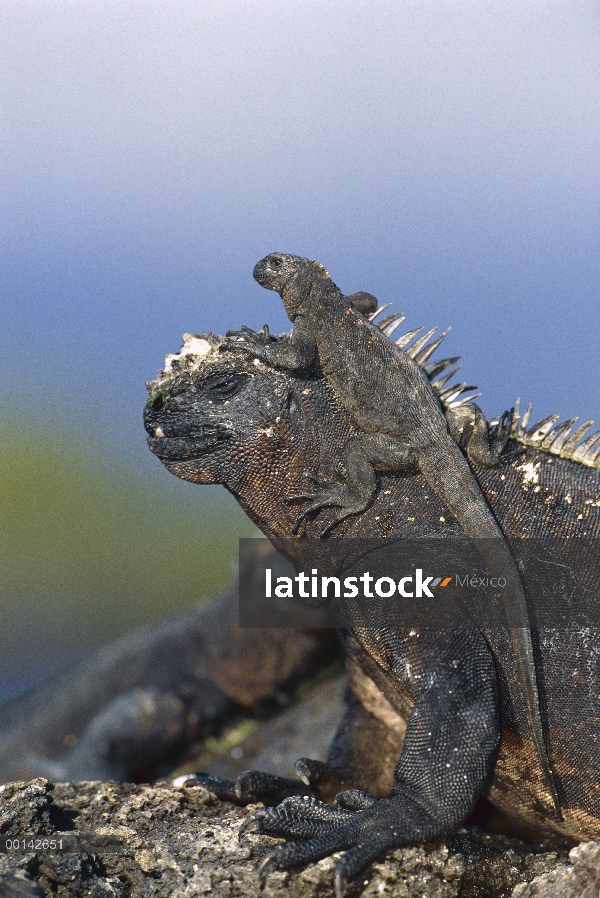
point(448, 751)
point(362, 456)
point(294, 353)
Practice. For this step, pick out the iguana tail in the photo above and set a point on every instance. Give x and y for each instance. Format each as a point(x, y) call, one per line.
point(448, 473)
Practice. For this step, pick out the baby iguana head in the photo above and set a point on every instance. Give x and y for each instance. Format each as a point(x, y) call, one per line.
point(277, 270)
point(293, 278)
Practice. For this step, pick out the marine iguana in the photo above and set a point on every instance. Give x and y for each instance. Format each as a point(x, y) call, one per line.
point(434, 719)
point(402, 426)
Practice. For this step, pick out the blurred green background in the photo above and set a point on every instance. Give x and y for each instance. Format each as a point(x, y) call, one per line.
point(93, 545)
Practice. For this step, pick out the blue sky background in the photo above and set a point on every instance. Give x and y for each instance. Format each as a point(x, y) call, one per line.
point(442, 155)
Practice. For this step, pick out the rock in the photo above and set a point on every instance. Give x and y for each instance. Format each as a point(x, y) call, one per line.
point(25, 807)
point(579, 879)
point(139, 841)
point(19, 885)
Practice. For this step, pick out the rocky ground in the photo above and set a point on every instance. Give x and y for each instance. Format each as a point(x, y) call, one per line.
point(134, 840)
point(138, 841)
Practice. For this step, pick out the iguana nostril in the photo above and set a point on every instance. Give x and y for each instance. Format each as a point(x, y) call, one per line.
point(158, 402)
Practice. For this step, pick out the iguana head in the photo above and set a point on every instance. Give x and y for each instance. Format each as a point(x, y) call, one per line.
point(214, 415)
point(291, 276)
point(277, 270)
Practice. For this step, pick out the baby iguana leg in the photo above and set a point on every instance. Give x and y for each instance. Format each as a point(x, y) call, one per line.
point(470, 430)
point(363, 455)
point(281, 352)
point(365, 303)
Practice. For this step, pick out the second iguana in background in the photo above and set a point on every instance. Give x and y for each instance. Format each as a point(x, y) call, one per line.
point(402, 426)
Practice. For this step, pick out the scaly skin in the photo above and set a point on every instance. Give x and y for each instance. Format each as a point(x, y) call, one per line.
point(402, 426)
point(427, 709)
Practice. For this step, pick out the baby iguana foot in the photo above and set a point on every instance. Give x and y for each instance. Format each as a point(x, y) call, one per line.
point(499, 435)
point(338, 495)
point(325, 494)
point(362, 826)
point(247, 340)
point(469, 428)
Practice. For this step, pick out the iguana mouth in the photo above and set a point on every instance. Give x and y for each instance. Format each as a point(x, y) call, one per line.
point(205, 439)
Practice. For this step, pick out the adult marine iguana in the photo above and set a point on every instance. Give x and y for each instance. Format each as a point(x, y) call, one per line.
point(433, 719)
point(402, 426)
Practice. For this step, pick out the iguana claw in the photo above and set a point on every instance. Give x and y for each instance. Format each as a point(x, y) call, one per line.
point(501, 432)
point(329, 500)
point(320, 830)
point(247, 340)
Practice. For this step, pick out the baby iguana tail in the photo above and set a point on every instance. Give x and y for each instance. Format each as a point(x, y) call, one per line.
point(392, 402)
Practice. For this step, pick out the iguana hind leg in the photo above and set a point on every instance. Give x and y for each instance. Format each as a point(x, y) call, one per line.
point(446, 756)
point(469, 428)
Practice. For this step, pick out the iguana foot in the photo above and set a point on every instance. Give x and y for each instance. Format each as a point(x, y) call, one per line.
point(224, 789)
point(499, 436)
point(251, 786)
point(247, 340)
point(268, 787)
point(500, 433)
point(326, 494)
point(362, 826)
point(318, 485)
point(325, 780)
point(483, 445)
point(338, 496)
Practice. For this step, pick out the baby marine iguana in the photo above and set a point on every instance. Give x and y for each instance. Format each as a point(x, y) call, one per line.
point(433, 718)
point(402, 426)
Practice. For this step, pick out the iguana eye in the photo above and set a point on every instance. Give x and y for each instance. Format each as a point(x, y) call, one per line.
point(275, 262)
point(224, 386)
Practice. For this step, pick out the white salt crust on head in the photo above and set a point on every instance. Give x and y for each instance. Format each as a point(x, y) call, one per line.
point(192, 346)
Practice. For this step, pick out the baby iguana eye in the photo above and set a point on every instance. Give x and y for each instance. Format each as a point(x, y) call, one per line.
point(275, 262)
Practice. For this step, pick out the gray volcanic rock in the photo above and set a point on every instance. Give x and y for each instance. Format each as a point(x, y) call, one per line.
point(139, 841)
point(579, 879)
